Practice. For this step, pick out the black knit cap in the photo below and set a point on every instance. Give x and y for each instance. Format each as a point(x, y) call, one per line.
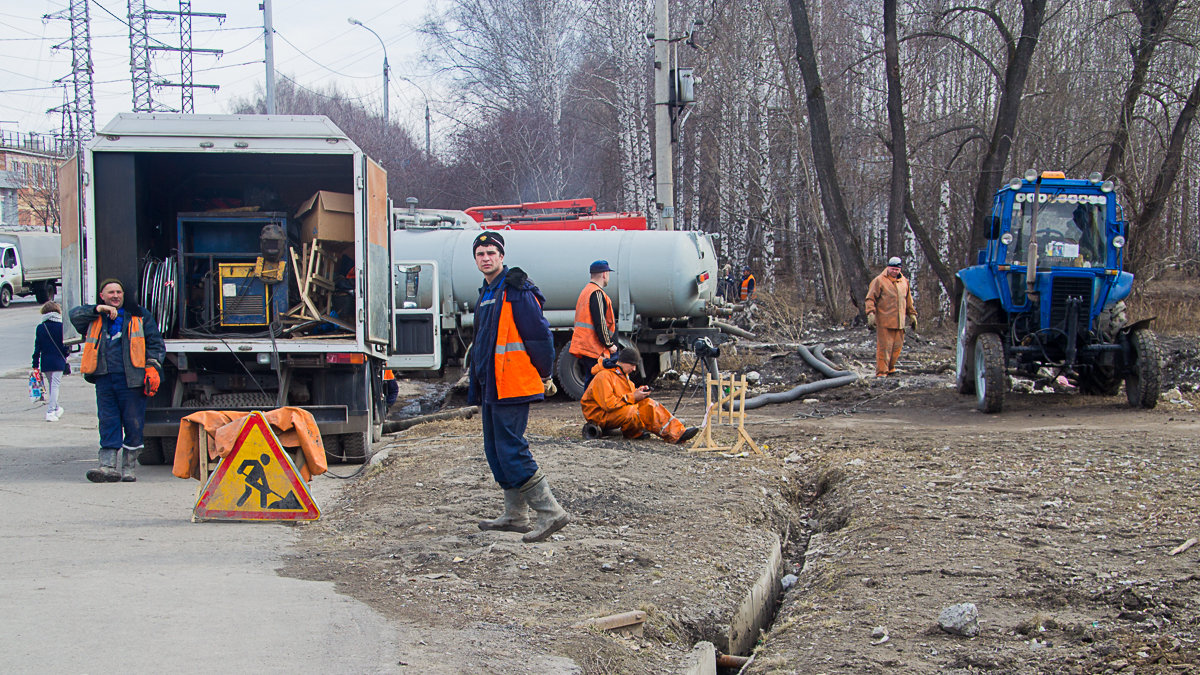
point(489, 238)
point(628, 355)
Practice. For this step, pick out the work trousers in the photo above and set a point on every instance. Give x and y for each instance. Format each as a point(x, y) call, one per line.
point(636, 419)
point(122, 412)
point(504, 443)
point(888, 342)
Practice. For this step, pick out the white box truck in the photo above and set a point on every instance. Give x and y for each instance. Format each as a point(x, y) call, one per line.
point(30, 264)
point(182, 208)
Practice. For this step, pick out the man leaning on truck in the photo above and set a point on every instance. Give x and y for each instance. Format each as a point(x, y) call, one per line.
point(594, 335)
point(512, 354)
point(123, 352)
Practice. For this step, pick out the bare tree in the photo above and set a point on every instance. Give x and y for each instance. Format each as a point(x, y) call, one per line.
point(845, 239)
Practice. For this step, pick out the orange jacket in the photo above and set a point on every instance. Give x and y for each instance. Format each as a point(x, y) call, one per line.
point(748, 287)
point(890, 300)
point(294, 427)
point(585, 340)
point(610, 389)
point(91, 345)
point(515, 374)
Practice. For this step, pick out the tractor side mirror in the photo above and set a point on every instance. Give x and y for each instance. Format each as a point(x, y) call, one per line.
point(994, 228)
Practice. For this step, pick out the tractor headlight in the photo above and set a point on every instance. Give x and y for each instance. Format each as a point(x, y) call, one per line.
point(1031, 175)
point(1014, 184)
point(1119, 241)
point(1107, 186)
point(1095, 177)
point(1006, 238)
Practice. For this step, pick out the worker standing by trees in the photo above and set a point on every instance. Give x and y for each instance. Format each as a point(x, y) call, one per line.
point(512, 354)
point(747, 284)
point(594, 336)
point(889, 306)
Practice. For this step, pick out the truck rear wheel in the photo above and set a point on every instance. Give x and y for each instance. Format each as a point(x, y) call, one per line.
point(570, 373)
point(152, 453)
point(42, 291)
point(989, 373)
point(1144, 379)
point(354, 447)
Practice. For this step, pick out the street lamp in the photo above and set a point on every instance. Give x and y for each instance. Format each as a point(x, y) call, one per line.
point(356, 22)
point(428, 152)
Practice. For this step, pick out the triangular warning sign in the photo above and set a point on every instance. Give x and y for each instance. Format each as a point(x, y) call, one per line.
point(256, 481)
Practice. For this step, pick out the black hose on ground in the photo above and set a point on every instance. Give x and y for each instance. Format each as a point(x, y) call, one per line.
point(816, 359)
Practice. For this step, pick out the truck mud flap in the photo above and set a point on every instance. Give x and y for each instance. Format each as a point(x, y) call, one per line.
point(165, 421)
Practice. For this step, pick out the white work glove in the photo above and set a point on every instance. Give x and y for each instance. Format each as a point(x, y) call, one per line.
point(550, 387)
point(871, 320)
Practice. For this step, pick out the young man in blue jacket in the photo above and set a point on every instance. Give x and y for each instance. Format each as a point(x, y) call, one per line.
point(512, 355)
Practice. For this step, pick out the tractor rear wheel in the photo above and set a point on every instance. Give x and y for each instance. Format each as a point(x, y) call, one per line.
point(973, 314)
point(1144, 379)
point(989, 373)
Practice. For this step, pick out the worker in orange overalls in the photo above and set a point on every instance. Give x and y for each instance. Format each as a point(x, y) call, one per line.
point(612, 402)
point(889, 307)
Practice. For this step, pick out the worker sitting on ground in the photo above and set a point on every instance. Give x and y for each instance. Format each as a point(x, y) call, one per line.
point(612, 402)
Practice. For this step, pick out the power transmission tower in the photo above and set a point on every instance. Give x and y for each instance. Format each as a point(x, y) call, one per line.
point(140, 51)
point(81, 111)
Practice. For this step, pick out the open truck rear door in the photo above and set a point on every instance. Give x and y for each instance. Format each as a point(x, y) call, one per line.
point(70, 227)
point(376, 289)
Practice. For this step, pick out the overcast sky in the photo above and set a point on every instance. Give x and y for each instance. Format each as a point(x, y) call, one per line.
point(314, 45)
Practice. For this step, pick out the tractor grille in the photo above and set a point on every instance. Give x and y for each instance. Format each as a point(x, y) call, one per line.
point(1070, 287)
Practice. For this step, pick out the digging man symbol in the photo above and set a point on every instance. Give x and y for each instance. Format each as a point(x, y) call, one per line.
point(256, 479)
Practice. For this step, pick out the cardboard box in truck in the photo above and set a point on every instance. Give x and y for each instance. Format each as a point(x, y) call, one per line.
point(328, 216)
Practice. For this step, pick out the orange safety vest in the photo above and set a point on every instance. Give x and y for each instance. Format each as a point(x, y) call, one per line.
point(91, 345)
point(515, 374)
point(585, 341)
point(746, 286)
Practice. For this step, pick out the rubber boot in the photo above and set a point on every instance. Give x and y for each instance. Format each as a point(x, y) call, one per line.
point(129, 457)
point(550, 516)
point(516, 515)
point(107, 473)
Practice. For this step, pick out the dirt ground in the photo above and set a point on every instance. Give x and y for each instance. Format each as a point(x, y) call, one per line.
point(892, 499)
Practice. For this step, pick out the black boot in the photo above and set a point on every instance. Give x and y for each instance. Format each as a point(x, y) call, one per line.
point(107, 472)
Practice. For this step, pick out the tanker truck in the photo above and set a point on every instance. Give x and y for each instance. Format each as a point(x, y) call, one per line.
point(663, 290)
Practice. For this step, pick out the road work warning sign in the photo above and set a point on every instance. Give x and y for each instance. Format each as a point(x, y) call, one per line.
point(256, 481)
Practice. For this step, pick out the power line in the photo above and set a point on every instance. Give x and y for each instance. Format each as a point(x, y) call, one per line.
point(318, 63)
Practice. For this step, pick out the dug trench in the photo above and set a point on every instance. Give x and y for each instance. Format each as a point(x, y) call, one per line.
point(888, 500)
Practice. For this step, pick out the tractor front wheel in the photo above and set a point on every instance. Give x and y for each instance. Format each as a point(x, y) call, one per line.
point(989, 373)
point(1144, 379)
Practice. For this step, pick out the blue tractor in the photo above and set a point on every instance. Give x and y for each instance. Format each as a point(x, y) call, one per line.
point(1047, 295)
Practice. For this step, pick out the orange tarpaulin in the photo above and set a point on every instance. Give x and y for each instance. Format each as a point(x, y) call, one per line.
point(295, 427)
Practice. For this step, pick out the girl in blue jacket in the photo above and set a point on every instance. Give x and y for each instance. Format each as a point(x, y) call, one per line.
point(50, 356)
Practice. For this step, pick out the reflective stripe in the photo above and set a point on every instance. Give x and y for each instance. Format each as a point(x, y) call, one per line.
point(489, 301)
point(510, 347)
point(582, 324)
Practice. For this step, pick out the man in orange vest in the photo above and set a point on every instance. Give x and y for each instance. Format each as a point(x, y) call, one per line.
point(512, 355)
point(594, 336)
point(612, 402)
point(123, 353)
point(889, 306)
point(747, 285)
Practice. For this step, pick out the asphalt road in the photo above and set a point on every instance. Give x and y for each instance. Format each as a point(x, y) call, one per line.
point(17, 322)
point(114, 577)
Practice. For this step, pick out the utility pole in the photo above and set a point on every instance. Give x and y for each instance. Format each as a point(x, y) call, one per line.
point(82, 109)
point(269, 47)
point(664, 160)
point(185, 50)
point(140, 49)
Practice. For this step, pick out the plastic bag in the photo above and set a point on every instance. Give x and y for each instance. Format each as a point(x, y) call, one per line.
point(37, 387)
